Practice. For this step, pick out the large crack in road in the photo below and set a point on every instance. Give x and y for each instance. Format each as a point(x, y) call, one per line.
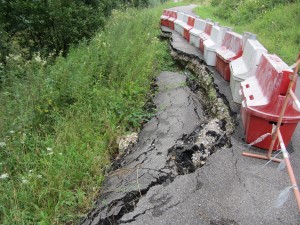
point(181, 136)
point(159, 180)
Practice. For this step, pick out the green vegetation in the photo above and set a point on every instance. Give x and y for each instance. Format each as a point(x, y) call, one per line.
point(275, 22)
point(28, 26)
point(60, 118)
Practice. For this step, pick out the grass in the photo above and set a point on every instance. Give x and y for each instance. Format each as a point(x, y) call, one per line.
point(59, 123)
point(276, 25)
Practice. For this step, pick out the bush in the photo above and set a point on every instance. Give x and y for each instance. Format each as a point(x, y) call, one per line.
point(53, 26)
point(59, 123)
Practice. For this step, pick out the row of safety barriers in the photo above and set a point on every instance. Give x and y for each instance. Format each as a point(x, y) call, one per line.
point(262, 83)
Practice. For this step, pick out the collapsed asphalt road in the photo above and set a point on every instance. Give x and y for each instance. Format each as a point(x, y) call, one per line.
point(170, 144)
point(171, 175)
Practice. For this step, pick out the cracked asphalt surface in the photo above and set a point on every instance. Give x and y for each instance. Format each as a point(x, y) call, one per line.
point(179, 113)
point(146, 188)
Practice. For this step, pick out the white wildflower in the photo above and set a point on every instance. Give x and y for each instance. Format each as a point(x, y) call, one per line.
point(39, 176)
point(24, 181)
point(49, 149)
point(12, 131)
point(30, 171)
point(38, 58)
point(4, 176)
point(60, 153)
point(2, 144)
point(49, 153)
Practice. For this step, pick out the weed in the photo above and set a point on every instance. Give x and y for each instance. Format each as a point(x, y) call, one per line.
point(59, 123)
point(275, 28)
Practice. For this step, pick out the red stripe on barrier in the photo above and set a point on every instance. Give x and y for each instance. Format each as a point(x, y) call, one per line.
point(231, 49)
point(205, 35)
point(188, 27)
point(164, 17)
point(171, 19)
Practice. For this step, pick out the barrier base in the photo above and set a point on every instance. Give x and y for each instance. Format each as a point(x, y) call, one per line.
point(201, 45)
point(223, 68)
point(186, 35)
point(171, 25)
point(257, 126)
point(164, 22)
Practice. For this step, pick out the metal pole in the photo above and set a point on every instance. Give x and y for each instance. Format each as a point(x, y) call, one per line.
point(289, 169)
point(295, 99)
point(286, 100)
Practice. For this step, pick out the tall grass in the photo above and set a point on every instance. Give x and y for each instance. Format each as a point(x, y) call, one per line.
point(59, 123)
point(275, 22)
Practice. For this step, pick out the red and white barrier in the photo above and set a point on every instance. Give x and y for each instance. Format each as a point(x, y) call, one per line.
point(206, 34)
point(180, 22)
point(164, 18)
point(263, 98)
point(245, 67)
point(198, 28)
point(230, 50)
point(211, 45)
point(171, 19)
point(276, 135)
point(188, 27)
point(247, 36)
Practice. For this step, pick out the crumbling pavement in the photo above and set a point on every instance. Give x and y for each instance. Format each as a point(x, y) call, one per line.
point(176, 141)
point(167, 178)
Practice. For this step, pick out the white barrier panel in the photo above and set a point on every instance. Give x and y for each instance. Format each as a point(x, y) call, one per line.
point(182, 25)
point(198, 28)
point(215, 41)
point(245, 67)
point(246, 36)
point(178, 23)
point(179, 26)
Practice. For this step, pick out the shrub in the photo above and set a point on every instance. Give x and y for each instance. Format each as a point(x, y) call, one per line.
point(59, 123)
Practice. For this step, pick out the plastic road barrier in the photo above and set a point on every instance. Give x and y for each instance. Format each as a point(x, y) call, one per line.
point(276, 135)
point(164, 17)
point(212, 44)
point(246, 36)
point(188, 27)
point(245, 67)
point(171, 19)
point(230, 50)
point(263, 98)
point(180, 22)
point(206, 34)
point(198, 28)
